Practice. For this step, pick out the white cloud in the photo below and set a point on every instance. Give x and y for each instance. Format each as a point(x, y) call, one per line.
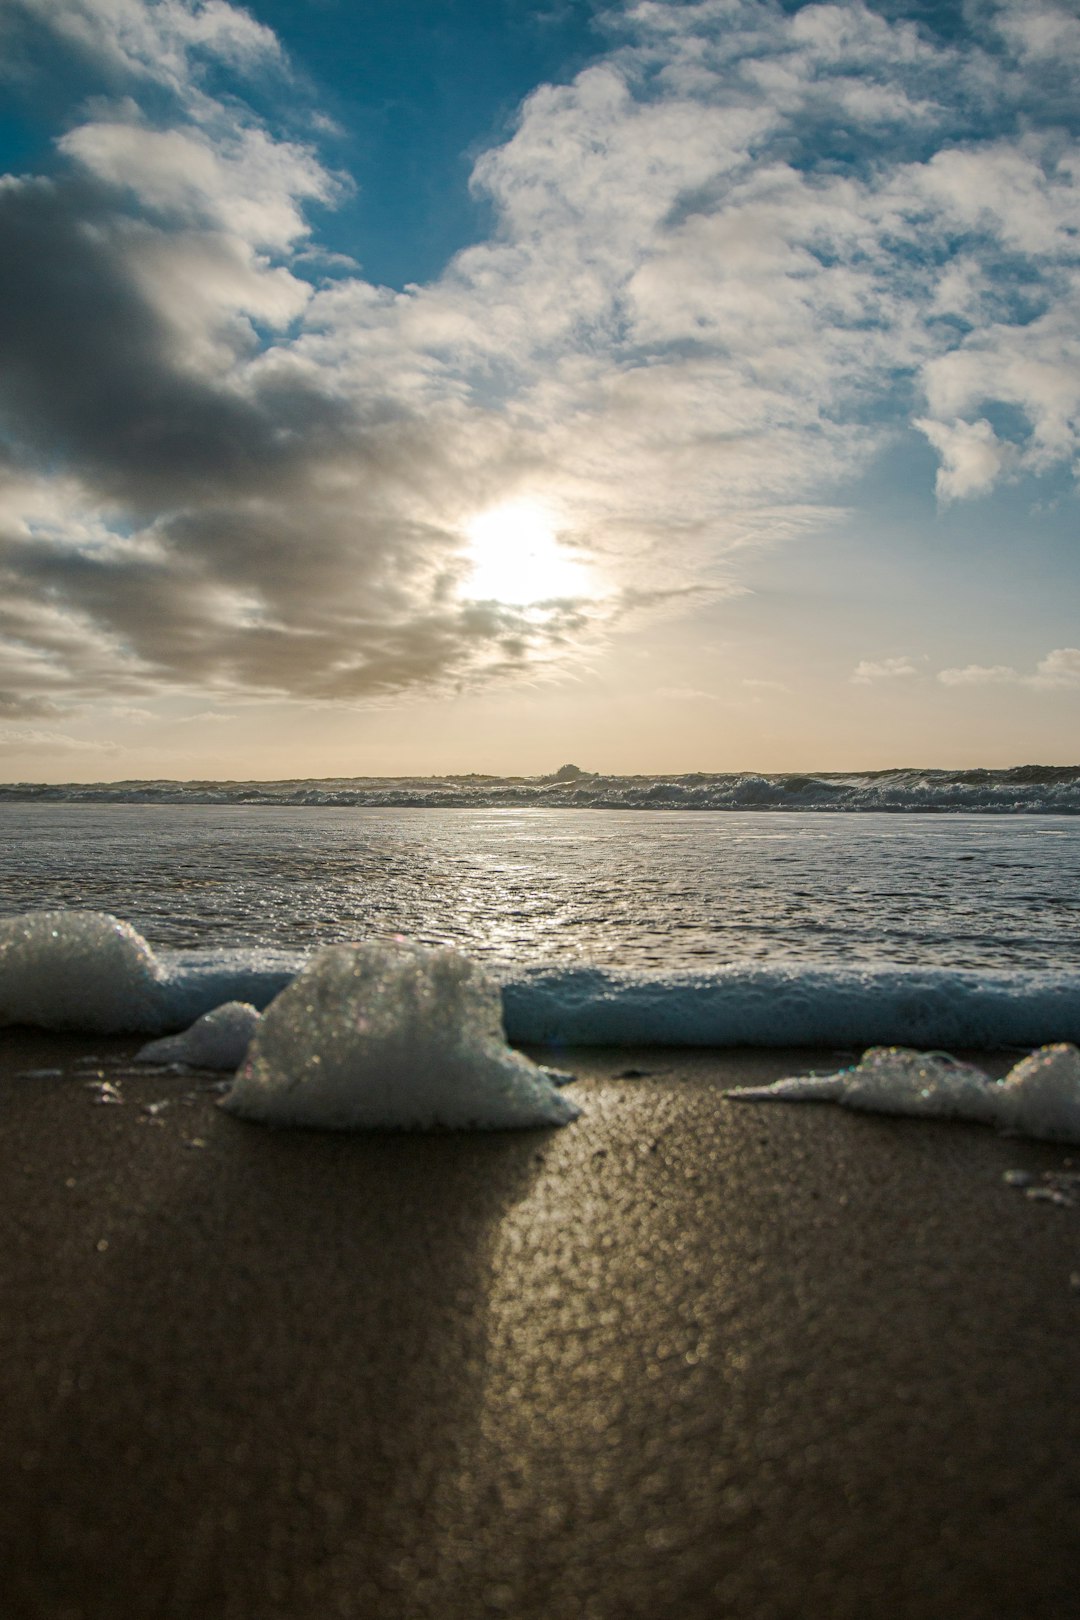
point(871, 670)
point(972, 456)
point(243, 181)
point(209, 287)
point(688, 325)
point(163, 41)
point(1036, 368)
point(1040, 31)
point(1059, 670)
point(979, 675)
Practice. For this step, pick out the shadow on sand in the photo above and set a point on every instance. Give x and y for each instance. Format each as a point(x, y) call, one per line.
point(270, 1404)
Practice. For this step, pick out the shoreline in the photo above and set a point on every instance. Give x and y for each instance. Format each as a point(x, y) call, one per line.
point(683, 1357)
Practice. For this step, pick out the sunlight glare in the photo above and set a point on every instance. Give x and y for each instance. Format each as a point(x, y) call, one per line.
point(516, 558)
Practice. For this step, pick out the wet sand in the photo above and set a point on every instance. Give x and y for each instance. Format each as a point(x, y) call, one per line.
point(684, 1358)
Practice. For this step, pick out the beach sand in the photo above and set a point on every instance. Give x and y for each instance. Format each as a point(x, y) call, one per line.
point(684, 1358)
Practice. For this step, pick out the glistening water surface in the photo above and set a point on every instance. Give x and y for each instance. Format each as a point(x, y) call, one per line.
point(634, 890)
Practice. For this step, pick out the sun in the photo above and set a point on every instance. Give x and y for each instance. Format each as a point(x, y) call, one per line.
point(516, 558)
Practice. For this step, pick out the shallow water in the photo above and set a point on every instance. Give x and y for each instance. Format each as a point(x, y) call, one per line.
point(644, 892)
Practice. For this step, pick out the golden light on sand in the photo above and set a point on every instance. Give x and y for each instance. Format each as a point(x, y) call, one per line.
point(516, 557)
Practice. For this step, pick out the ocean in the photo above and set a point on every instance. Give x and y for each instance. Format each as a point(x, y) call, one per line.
point(729, 926)
point(1019, 790)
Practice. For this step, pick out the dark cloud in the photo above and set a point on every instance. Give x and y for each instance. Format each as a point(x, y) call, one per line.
point(263, 543)
point(692, 319)
point(26, 706)
point(91, 371)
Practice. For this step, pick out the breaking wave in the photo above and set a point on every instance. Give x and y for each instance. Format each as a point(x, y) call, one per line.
point(1021, 790)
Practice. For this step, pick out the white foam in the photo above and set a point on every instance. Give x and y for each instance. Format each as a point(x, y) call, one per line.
point(1039, 1097)
point(78, 970)
point(391, 1036)
point(87, 971)
point(217, 1040)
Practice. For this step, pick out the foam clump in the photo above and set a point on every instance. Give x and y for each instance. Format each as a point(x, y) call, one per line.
point(217, 1040)
point(81, 970)
point(392, 1036)
point(1039, 1097)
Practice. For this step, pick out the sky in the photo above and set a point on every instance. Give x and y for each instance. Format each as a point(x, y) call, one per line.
point(481, 385)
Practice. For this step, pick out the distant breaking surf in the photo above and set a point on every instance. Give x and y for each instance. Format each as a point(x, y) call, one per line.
point(1020, 790)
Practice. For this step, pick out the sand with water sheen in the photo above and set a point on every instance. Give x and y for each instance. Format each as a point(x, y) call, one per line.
point(683, 1358)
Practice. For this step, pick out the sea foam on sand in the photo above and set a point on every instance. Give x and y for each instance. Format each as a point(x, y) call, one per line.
point(1039, 1097)
point(86, 970)
point(396, 1036)
point(217, 1040)
point(78, 970)
point(393, 1035)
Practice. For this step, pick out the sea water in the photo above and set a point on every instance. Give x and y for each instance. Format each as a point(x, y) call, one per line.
point(647, 892)
point(596, 926)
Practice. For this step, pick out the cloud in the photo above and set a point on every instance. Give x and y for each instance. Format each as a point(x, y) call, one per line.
point(724, 259)
point(1059, 670)
point(205, 717)
point(241, 181)
point(1040, 31)
point(132, 715)
point(165, 42)
point(26, 706)
point(972, 457)
point(688, 694)
point(18, 741)
point(979, 675)
point(872, 670)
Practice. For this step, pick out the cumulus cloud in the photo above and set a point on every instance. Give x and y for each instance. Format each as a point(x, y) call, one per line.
point(724, 257)
point(871, 670)
point(164, 41)
point(1059, 670)
point(979, 675)
point(1040, 31)
point(972, 457)
point(240, 181)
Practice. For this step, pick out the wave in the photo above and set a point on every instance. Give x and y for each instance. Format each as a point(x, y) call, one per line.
point(86, 971)
point(1020, 790)
point(795, 1006)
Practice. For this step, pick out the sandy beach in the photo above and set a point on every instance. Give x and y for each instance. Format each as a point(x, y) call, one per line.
point(684, 1358)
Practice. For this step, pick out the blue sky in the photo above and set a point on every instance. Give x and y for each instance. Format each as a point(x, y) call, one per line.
point(413, 90)
point(476, 385)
